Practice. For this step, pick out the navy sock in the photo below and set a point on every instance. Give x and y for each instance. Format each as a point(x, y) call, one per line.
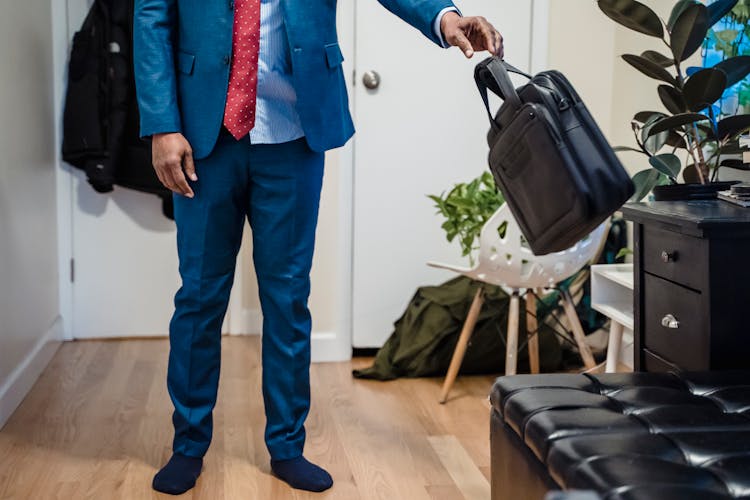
point(301, 474)
point(179, 475)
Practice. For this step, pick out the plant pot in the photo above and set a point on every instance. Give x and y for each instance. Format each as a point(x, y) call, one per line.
point(684, 192)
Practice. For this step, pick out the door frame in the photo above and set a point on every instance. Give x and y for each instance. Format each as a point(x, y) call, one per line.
point(61, 39)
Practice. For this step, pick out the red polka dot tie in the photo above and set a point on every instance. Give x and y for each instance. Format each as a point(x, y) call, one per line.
point(239, 113)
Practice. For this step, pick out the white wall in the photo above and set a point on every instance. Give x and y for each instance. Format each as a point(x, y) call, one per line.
point(586, 45)
point(29, 308)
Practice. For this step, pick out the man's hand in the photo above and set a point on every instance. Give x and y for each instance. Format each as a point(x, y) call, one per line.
point(471, 34)
point(173, 160)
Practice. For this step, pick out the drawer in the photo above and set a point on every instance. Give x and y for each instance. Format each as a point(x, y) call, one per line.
point(655, 363)
point(686, 341)
point(676, 257)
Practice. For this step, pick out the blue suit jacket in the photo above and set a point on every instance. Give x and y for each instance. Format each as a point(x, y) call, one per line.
point(182, 52)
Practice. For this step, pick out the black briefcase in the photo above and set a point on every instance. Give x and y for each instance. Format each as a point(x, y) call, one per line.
point(556, 170)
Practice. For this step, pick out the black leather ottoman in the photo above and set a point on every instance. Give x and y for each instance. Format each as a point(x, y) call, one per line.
point(626, 436)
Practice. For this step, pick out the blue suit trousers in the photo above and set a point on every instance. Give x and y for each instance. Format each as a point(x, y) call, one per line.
point(277, 187)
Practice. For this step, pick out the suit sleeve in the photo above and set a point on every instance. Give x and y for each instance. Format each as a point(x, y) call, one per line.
point(154, 28)
point(419, 13)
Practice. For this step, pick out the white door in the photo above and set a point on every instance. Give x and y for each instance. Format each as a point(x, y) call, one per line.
point(422, 130)
point(125, 272)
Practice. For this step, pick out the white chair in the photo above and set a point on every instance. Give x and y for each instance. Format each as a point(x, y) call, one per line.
point(505, 260)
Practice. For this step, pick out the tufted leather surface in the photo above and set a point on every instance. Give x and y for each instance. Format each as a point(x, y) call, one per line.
point(636, 436)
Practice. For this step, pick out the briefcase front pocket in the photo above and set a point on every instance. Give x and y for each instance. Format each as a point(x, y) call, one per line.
point(528, 164)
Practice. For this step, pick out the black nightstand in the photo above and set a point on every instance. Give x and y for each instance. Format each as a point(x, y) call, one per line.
point(692, 285)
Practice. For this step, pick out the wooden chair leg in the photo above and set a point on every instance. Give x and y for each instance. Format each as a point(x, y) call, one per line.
point(531, 331)
point(613, 350)
point(575, 325)
point(511, 342)
point(463, 342)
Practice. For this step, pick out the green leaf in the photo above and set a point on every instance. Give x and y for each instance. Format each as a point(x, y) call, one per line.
point(645, 116)
point(719, 9)
point(668, 164)
point(672, 99)
point(726, 37)
point(735, 164)
point(645, 181)
point(654, 143)
point(732, 126)
point(649, 68)
point(689, 31)
point(675, 122)
point(690, 175)
point(664, 181)
point(633, 15)
point(466, 208)
point(624, 252)
point(622, 149)
point(736, 69)
point(677, 10)
point(706, 130)
point(461, 202)
point(732, 148)
point(658, 58)
point(676, 140)
point(704, 88)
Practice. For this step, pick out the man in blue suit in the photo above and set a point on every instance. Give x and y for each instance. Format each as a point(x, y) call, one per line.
point(241, 99)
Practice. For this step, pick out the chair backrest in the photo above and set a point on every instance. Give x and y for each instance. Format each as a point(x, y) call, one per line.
point(506, 260)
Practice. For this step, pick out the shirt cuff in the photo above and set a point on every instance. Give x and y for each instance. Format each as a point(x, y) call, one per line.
point(436, 25)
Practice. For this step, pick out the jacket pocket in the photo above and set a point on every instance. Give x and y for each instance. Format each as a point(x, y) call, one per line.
point(334, 57)
point(185, 62)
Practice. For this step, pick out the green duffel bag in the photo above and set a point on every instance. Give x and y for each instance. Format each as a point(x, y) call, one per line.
point(425, 336)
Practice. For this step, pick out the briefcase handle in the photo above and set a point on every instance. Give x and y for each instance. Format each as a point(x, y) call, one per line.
point(492, 74)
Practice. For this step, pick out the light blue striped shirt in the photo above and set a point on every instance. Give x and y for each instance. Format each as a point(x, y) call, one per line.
point(276, 118)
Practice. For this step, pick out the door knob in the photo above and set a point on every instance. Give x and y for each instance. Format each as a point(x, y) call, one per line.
point(668, 257)
point(669, 321)
point(371, 79)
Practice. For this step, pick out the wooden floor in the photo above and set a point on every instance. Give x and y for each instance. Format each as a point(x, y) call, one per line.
point(97, 425)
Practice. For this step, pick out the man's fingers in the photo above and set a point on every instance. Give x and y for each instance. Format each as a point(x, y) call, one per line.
point(173, 160)
point(166, 176)
point(500, 48)
point(488, 33)
point(180, 181)
point(463, 43)
point(159, 176)
point(189, 166)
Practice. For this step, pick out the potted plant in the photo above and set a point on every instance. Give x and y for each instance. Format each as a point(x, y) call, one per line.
point(690, 137)
point(466, 208)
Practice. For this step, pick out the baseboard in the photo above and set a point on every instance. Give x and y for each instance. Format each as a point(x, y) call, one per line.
point(22, 379)
point(326, 346)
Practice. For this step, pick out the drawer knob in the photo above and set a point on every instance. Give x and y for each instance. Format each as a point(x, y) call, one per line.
point(670, 321)
point(668, 257)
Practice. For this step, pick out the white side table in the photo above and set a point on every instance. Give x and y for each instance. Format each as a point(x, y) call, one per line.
point(612, 295)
